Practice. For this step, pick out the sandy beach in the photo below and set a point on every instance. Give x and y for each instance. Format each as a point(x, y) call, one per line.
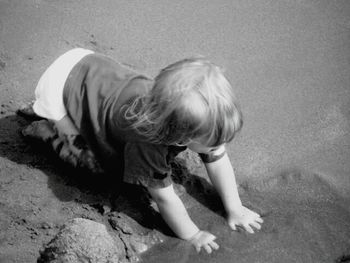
point(289, 62)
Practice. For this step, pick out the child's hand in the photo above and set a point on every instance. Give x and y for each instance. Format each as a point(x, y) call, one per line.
point(245, 218)
point(204, 239)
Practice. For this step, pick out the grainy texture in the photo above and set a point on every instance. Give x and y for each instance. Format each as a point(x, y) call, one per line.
point(83, 240)
point(289, 61)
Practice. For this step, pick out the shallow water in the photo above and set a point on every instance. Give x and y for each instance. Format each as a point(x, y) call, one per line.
point(305, 221)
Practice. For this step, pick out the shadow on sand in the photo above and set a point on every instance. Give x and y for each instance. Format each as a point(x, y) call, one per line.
point(112, 193)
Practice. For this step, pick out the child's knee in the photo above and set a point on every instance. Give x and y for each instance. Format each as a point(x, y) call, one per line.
point(73, 149)
point(42, 130)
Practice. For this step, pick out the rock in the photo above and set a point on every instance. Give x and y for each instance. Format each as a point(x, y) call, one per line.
point(82, 240)
point(136, 238)
point(119, 222)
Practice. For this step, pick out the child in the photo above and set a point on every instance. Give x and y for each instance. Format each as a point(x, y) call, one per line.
point(130, 119)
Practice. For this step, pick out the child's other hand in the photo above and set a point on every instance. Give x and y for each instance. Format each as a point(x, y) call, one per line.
point(204, 240)
point(246, 219)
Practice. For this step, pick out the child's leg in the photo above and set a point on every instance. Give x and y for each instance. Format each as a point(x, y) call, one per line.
point(65, 129)
point(74, 149)
point(66, 141)
point(58, 130)
point(42, 130)
point(47, 132)
point(27, 111)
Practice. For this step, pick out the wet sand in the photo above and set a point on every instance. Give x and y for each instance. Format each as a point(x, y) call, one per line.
point(289, 62)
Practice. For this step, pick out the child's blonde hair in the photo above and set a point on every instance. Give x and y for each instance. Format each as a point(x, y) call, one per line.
point(191, 100)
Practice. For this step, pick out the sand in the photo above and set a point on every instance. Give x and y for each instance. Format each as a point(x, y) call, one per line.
point(290, 63)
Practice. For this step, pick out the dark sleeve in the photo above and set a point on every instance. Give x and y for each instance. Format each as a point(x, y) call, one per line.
point(211, 157)
point(148, 164)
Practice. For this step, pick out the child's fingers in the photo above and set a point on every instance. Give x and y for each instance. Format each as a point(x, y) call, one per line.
point(233, 226)
point(259, 220)
point(256, 214)
point(248, 229)
point(214, 245)
point(256, 225)
point(207, 248)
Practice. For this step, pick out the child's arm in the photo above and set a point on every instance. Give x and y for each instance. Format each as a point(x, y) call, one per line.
point(175, 215)
point(222, 176)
